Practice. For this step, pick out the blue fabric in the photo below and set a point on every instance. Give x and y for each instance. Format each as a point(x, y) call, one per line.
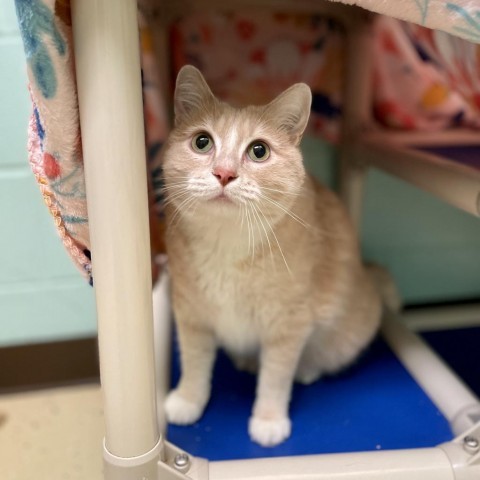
point(373, 405)
point(37, 23)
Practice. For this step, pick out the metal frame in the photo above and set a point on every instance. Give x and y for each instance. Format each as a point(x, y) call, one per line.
point(109, 91)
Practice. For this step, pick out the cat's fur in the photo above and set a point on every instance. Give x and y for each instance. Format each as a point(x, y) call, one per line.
point(272, 273)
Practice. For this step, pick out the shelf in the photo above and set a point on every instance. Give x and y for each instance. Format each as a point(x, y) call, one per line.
point(446, 164)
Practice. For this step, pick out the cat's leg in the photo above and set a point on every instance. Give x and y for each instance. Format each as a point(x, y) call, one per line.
point(269, 424)
point(309, 368)
point(185, 404)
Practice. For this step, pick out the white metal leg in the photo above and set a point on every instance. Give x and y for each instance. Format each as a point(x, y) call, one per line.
point(352, 186)
point(111, 113)
point(356, 113)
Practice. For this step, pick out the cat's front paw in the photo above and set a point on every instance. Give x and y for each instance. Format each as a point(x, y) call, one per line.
point(269, 432)
point(181, 411)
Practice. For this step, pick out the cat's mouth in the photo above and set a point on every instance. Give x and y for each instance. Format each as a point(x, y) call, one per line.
point(222, 197)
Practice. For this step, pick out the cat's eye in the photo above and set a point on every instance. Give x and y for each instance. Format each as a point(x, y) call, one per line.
point(202, 142)
point(258, 151)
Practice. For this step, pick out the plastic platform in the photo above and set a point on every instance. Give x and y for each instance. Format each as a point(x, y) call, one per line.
point(373, 405)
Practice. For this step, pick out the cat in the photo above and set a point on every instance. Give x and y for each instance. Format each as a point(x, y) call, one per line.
point(264, 261)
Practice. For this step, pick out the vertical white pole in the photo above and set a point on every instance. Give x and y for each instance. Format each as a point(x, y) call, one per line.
point(110, 100)
point(356, 111)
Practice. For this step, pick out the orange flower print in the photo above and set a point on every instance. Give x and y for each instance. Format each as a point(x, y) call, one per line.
point(245, 29)
point(50, 166)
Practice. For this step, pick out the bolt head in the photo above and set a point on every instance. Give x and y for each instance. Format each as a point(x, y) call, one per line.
point(181, 460)
point(471, 444)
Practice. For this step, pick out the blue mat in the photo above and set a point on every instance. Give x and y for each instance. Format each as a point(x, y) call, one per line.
point(373, 405)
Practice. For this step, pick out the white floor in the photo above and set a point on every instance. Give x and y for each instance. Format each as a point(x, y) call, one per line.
point(52, 435)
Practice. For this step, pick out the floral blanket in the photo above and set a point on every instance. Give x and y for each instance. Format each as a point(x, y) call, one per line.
point(461, 18)
point(423, 79)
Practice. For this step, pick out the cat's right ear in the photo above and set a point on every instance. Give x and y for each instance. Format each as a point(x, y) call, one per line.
point(192, 93)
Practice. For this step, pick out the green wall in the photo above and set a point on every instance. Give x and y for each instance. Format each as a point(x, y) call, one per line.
point(432, 249)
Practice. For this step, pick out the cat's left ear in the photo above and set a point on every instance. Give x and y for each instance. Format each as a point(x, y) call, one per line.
point(290, 111)
point(192, 93)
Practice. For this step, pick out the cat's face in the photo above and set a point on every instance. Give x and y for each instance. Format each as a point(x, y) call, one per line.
point(220, 160)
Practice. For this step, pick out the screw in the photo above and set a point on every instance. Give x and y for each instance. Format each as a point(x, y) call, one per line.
point(181, 461)
point(471, 444)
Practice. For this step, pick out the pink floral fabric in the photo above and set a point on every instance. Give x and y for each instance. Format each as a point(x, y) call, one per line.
point(250, 58)
point(424, 79)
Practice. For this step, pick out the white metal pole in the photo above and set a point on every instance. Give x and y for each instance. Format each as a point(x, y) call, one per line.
point(419, 464)
point(459, 405)
point(110, 100)
point(356, 111)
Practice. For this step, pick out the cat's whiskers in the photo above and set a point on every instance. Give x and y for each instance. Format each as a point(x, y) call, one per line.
point(285, 210)
point(276, 240)
point(251, 237)
point(184, 205)
point(172, 198)
point(283, 192)
point(256, 218)
point(248, 226)
point(240, 213)
point(266, 234)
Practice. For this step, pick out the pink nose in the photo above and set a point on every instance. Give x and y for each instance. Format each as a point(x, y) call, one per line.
point(224, 175)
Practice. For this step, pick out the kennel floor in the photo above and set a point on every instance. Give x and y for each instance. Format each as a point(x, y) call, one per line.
point(373, 405)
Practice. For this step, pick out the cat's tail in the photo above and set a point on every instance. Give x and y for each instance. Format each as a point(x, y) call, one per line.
point(386, 286)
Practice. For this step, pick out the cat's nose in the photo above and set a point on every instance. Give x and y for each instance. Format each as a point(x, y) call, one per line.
point(224, 175)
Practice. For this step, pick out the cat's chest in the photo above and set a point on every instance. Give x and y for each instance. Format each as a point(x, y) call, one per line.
point(220, 278)
point(231, 295)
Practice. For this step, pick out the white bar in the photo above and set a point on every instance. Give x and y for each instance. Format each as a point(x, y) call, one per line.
point(419, 464)
point(111, 114)
point(454, 136)
point(442, 318)
point(453, 398)
point(453, 183)
point(356, 115)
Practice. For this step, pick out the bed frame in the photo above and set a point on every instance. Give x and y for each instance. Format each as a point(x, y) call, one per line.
point(110, 99)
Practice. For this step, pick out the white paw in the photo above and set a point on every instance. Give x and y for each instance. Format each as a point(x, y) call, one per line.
point(269, 432)
point(180, 411)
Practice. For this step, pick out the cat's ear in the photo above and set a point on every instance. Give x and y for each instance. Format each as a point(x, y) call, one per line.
point(191, 93)
point(289, 112)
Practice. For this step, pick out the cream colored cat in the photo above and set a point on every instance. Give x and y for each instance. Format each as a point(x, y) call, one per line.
point(264, 261)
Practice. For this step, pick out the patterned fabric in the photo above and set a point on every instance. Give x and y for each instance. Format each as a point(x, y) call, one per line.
point(252, 58)
point(423, 79)
point(54, 147)
point(461, 18)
